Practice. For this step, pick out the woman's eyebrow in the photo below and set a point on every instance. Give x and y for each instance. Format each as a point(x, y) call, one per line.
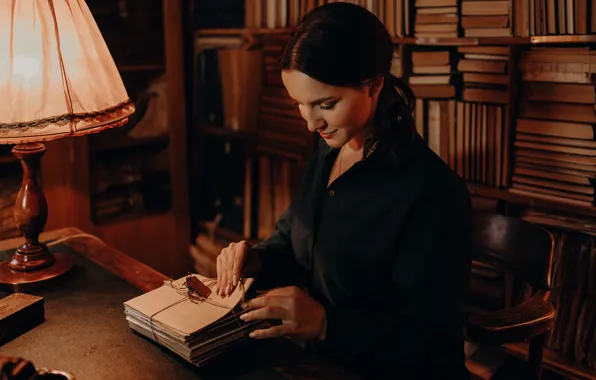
point(320, 100)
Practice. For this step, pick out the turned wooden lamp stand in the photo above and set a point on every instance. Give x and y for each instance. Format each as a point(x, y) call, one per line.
point(32, 264)
point(57, 79)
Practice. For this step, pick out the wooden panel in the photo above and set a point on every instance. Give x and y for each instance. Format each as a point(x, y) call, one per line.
point(152, 239)
point(173, 22)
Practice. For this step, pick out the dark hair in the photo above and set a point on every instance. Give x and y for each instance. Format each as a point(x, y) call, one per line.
point(343, 44)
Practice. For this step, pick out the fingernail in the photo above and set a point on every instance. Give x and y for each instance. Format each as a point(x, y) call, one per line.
point(252, 335)
point(243, 305)
point(243, 317)
point(228, 289)
point(235, 280)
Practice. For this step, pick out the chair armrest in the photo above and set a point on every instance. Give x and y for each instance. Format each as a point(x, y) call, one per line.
point(532, 317)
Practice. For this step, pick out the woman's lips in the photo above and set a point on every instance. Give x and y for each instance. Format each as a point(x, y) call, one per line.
point(327, 135)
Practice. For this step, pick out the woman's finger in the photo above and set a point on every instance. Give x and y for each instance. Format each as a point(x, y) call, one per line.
point(238, 262)
point(224, 272)
point(255, 303)
point(267, 312)
point(219, 272)
point(272, 332)
point(266, 300)
point(230, 267)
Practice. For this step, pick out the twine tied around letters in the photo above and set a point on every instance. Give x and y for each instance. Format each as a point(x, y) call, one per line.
point(194, 297)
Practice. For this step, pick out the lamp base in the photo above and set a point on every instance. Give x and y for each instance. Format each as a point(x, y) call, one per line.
point(24, 281)
point(32, 266)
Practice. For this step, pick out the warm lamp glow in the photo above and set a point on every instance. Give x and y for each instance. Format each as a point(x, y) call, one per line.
point(57, 77)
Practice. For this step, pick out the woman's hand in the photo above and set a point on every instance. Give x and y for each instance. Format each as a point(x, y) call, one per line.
point(235, 261)
point(301, 316)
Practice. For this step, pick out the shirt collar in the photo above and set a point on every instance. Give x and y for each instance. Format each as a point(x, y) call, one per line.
point(333, 152)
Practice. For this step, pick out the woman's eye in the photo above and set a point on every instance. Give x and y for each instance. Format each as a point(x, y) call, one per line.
point(328, 106)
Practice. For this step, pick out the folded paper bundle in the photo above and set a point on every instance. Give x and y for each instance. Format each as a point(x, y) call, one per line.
point(188, 318)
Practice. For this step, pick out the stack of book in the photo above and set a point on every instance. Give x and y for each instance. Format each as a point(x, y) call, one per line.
point(481, 143)
point(436, 18)
point(435, 122)
point(432, 74)
point(197, 328)
point(468, 136)
point(395, 14)
point(486, 18)
point(485, 73)
point(555, 140)
point(560, 17)
point(19, 313)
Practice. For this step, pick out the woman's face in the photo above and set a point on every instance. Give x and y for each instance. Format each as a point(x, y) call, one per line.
point(338, 114)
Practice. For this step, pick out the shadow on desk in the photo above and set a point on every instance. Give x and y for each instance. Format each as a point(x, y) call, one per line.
point(86, 334)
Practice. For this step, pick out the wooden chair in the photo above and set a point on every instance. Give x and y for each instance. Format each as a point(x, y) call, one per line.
point(524, 250)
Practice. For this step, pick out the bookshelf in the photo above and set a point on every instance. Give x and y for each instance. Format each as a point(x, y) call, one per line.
point(461, 41)
point(516, 45)
point(526, 29)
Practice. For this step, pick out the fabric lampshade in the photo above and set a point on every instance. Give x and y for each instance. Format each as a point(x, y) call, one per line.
point(57, 77)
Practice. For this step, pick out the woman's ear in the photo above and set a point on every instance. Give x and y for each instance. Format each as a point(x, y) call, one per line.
point(375, 86)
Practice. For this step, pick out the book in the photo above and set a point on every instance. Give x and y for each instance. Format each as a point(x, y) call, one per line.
point(19, 313)
point(192, 321)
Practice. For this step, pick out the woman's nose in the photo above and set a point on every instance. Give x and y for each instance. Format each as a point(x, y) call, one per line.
point(313, 121)
point(312, 125)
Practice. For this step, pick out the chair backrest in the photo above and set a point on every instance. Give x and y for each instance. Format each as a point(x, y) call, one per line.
point(519, 247)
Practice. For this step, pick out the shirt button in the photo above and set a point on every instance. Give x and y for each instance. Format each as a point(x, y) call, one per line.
point(331, 193)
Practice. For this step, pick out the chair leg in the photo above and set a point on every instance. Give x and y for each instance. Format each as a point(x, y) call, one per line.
point(535, 357)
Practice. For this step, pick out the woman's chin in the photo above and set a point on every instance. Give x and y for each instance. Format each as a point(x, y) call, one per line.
point(335, 143)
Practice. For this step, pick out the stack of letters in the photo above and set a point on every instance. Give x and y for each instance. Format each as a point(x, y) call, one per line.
point(195, 323)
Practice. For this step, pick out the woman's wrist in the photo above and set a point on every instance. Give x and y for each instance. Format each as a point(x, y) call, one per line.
point(323, 332)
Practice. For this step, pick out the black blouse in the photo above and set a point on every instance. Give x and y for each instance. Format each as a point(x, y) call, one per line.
point(385, 250)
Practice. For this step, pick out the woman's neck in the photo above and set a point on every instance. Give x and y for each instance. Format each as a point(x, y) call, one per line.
point(357, 142)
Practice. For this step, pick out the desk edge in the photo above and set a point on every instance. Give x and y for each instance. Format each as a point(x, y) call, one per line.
point(129, 269)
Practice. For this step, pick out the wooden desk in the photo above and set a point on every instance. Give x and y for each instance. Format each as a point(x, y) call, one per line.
point(86, 332)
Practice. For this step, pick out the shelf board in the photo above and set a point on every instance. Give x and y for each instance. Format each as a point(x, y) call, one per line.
point(456, 41)
point(464, 41)
point(212, 130)
point(123, 142)
point(577, 39)
point(126, 216)
point(138, 68)
point(553, 361)
point(7, 159)
point(237, 31)
point(507, 196)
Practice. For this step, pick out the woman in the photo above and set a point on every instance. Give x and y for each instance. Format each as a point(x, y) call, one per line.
point(376, 243)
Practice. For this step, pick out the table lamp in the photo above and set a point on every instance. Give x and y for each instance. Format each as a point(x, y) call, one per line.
point(57, 79)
